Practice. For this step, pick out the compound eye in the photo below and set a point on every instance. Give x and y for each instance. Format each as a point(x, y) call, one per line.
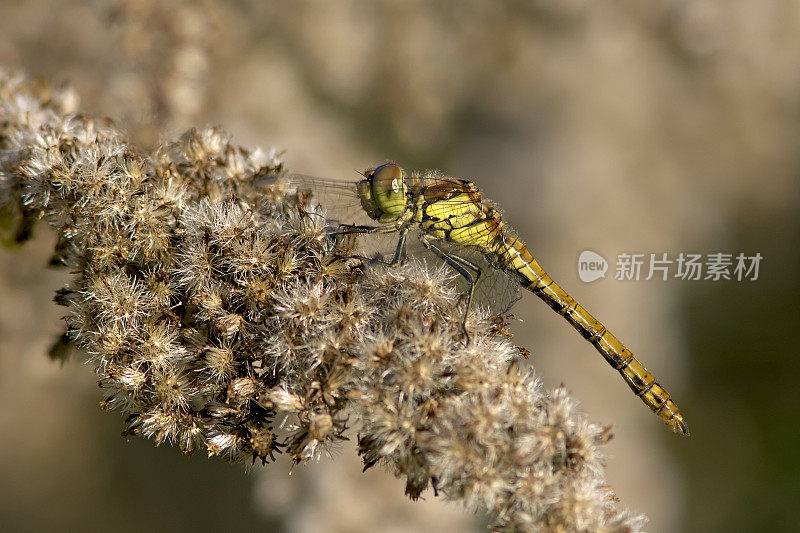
point(388, 179)
point(388, 192)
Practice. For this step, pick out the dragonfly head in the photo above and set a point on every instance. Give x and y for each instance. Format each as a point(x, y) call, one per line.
point(383, 193)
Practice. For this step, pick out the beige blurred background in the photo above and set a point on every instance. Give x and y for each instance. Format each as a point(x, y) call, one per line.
point(651, 127)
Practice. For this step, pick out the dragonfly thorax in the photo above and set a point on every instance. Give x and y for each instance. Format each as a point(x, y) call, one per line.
point(383, 193)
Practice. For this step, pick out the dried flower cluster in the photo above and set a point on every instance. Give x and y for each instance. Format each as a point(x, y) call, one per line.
point(221, 317)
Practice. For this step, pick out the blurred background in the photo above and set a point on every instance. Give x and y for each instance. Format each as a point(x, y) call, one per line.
point(647, 127)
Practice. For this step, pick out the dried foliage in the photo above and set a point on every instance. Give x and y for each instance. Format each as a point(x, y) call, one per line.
point(220, 316)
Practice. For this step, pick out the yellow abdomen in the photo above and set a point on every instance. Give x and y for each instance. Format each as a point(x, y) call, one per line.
point(519, 260)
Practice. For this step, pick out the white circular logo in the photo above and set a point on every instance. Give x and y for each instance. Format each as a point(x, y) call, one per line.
point(591, 266)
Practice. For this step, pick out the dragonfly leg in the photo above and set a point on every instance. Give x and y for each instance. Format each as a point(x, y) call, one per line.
point(348, 229)
point(401, 247)
point(398, 252)
point(401, 241)
point(463, 267)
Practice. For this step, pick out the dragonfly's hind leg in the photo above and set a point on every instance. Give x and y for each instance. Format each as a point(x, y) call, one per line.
point(401, 240)
point(463, 267)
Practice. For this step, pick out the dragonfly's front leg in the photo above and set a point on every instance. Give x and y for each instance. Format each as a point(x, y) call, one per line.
point(402, 231)
point(470, 271)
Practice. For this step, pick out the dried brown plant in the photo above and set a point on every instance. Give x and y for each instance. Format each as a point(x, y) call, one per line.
point(221, 317)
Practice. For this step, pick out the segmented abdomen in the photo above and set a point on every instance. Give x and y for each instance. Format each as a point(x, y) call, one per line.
point(515, 257)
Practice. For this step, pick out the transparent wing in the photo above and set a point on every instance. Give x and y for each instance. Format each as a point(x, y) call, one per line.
point(496, 290)
point(339, 198)
point(341, 204)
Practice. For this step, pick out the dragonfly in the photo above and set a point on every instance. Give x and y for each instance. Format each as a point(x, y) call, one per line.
point(457, 226)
